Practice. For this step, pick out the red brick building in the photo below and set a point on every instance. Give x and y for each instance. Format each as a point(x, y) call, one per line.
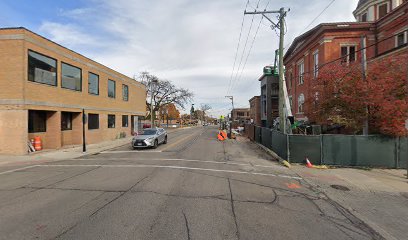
point(383, 23)
point(255, 110)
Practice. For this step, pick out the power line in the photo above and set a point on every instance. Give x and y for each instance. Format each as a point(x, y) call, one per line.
point(246, 60)
point(239, 41)
point(245, 45)
point(249, 52)
point(346, 55)
point(328, 5)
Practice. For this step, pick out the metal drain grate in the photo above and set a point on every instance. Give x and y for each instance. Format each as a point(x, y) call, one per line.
point(340, 187)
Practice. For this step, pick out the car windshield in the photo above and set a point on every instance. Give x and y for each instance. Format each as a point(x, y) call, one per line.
point(149, 132)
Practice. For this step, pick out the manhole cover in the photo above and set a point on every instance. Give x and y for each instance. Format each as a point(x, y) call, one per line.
point(340, 187)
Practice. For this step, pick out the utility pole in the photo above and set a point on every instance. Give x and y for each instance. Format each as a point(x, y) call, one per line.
point(364, 70)
point(281, 26)
point(191, 112)
point(84, 120)
point(152, 89)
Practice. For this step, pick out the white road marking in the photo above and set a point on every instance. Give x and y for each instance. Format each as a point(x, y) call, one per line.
point(130, 151)
point(17, 169)
point(170, 167)
point(172, 159)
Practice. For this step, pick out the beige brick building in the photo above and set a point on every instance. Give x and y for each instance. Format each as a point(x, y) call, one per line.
point(44, 87)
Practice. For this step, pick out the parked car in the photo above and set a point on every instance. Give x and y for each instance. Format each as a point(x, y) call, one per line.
point(150, 137)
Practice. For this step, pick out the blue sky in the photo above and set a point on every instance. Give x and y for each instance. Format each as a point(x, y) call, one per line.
point(189, 42)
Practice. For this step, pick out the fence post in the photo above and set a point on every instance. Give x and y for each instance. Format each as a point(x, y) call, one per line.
point(287, 148)
point(397, 150)
point(321, 149)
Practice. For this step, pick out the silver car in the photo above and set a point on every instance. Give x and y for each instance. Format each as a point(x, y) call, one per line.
point(150, 137)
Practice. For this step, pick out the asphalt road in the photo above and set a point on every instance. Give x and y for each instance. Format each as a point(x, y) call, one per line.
point(194, 187)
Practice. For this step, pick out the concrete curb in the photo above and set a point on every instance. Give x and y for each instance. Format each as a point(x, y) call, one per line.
point(273, 154)
point(369, 223)
point(352, 211)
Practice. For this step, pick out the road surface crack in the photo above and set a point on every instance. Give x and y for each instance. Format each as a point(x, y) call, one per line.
point(187, 227)
point(116, 198)
point(233, 210)
point(217, 197)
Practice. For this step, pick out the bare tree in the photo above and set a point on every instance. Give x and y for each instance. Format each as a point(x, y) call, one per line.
point(204, 108)
point(164, 93)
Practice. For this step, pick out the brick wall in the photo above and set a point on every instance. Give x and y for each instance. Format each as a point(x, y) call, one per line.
point(21, 95)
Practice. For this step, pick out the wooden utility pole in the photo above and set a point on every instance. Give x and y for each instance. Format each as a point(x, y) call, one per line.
point(364, 70)
point(281, 27)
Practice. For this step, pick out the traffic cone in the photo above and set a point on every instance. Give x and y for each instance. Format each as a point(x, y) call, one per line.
point(308, 163)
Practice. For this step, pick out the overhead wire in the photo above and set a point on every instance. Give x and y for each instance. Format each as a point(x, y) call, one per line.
point(250, 49)
point(236, 52)
point(244, 49)
point(346, 55)
point(327, 6)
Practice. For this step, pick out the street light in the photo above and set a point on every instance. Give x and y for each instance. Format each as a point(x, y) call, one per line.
point(152, 88)
point(232, 101)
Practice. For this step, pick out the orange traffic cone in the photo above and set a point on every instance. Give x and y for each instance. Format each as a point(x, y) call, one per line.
point(308, 163)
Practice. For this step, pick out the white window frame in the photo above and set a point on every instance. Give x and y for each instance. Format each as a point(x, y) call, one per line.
point(378, 9)
point(405, 32)
point(301, 72)
point(348, 51)
point(301, 102)
point(316, 64)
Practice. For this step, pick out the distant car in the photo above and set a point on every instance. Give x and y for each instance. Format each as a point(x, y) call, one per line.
point(150, 137)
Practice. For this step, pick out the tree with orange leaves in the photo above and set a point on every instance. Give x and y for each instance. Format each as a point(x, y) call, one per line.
point(341, 94)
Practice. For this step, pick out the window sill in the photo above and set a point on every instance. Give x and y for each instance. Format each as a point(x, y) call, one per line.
point(43, 84)
point(72, 90)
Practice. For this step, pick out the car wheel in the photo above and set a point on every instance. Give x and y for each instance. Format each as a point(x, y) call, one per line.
point(165, 140)
point(156, 143)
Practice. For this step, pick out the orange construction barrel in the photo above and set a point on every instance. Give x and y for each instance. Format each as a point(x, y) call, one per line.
point(37, 143)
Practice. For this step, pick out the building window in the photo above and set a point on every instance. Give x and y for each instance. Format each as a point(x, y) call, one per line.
point(125, 92)
point(93, 121)
point(301, 72)
point(401, 39)
point(316, 64)
point(289, 79)
point(37, 121)
point(42, 69)
point(93, 83)
point(301, 101)
point(348, 54)
point(71, 77)
point(291, 101)
point(364, 17)
point(66, 121)
point(125, 120)
point(111, 89)
point(382, 10)
point(111, 121)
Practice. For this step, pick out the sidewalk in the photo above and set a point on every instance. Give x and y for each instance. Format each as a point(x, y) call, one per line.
point(379, 197)
point(67, 152)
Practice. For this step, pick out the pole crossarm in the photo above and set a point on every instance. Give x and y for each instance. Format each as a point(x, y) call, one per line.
point(262, 12)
